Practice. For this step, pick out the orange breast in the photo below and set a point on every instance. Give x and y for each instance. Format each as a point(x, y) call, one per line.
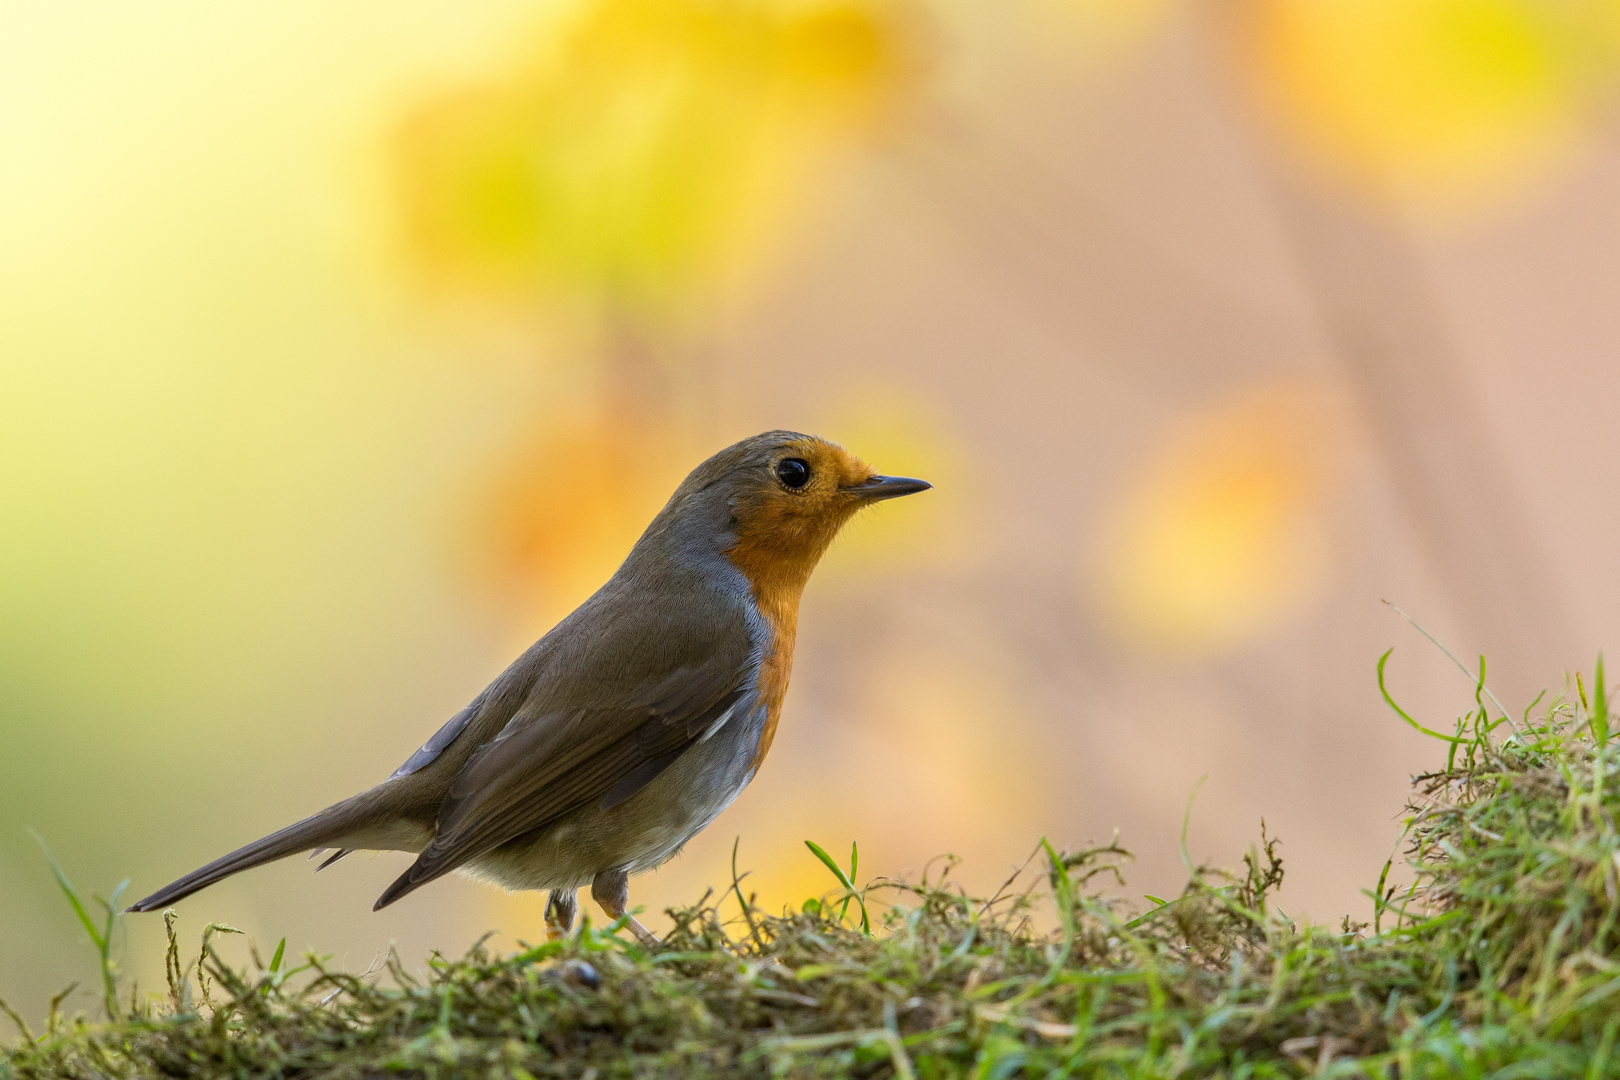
point(776, 584)
point(774, 672)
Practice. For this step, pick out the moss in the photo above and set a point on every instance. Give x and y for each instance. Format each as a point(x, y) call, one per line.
point(1499, 959)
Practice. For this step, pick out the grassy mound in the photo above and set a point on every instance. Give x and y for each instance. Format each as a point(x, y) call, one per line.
point(1500, 959)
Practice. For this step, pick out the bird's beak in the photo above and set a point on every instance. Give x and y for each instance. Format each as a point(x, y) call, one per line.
point(878, 488)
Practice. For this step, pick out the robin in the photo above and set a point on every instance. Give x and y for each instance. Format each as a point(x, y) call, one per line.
point(630, 726)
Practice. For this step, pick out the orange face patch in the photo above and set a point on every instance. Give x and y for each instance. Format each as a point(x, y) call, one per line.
point(781, 535)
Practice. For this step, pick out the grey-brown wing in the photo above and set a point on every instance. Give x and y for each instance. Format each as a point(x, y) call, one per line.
point(438, 742)
point(544, 765)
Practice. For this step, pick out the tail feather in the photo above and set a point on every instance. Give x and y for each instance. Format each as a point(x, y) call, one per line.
point(411, 880)
point(324, 829)
point(340, 853)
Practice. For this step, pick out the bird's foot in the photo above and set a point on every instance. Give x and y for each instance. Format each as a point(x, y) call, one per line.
point(611, 889)
point(561, 908)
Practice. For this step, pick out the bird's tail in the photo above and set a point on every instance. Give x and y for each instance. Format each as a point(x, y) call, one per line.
point(325, 829)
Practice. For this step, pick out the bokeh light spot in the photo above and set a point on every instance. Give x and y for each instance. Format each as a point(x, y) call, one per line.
point(643, 157)
point(1445, 102)
point(563, 511)
point(1222, 533)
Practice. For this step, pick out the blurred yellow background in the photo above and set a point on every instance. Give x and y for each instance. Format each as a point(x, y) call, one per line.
point(344, 347)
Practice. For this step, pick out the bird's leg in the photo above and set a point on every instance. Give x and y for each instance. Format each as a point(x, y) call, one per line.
point(611, 889)
point(561, 907)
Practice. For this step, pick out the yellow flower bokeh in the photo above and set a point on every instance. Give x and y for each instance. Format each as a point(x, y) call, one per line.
point(1447, 103)
point(1223, 532)
point(644, 155)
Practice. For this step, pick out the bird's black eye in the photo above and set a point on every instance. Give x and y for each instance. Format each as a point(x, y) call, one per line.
point(794, 472)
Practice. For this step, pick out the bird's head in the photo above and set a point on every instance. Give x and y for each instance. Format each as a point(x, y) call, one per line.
point(773, 503)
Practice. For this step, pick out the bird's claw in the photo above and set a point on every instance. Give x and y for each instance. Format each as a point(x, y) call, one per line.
point(647, 938)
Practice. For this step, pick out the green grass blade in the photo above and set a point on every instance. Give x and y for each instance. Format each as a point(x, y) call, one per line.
point(1402, 713)
point(70, 892)
point(1600, 706)
point(102, 938)
point(852, 893)
point(830, 863)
